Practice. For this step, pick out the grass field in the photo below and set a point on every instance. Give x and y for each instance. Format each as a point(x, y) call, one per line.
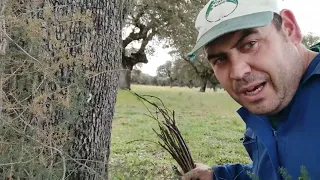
point(208, 122)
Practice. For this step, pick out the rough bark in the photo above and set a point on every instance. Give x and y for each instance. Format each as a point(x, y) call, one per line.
point(82, 41)
point(3, 38)
point(3, 47)
point(93, 130)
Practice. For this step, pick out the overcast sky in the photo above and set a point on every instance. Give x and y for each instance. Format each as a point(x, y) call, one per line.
point(306, 17)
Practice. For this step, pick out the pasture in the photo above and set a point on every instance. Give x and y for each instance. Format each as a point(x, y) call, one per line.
point(208, 121)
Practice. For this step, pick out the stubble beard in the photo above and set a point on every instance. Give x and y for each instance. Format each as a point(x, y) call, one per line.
point(287, 82)
point(283, 86)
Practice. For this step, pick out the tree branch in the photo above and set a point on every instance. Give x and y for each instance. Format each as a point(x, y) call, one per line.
point(145, 41)
point(193, 66)
point(137, 23)
point(3, 6)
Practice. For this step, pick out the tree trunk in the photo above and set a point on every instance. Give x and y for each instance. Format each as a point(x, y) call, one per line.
point(125, 79)
point(204, 82)
point(171, 81)
point(3, 47)
point(3, 38)
point(83, 49)
point(214, 87)
point(93, 129)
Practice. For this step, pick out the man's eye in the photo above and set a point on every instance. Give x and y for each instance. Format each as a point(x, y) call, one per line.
point(218, 60)
point(249, 45)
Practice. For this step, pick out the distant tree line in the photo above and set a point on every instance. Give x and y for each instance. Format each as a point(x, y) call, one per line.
point(184, 73)
point(165, 21)
point(171, 22)
point(172, 75)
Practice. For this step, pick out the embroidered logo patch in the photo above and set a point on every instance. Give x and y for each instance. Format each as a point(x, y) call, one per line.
point(219, 9)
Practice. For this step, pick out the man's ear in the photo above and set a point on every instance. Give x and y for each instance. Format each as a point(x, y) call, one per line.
point(290, 26)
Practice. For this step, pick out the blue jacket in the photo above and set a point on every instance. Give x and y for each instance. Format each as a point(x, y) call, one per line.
point(294, 144)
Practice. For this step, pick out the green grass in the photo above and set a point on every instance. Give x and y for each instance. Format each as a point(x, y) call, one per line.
point(208, 121)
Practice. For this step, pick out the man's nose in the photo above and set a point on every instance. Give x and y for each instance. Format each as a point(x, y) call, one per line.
point(239, 69)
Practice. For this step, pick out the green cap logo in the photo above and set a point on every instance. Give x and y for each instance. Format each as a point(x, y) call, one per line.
point(219, 9)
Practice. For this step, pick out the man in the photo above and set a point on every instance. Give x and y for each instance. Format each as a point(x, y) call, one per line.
point(256, 53)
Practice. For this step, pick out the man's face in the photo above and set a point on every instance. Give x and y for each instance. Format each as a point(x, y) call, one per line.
point(260, 68)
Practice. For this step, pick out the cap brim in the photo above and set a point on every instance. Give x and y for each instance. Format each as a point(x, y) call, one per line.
point(243, 22)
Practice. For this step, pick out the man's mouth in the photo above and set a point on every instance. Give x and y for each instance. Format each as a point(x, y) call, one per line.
point(254, 90)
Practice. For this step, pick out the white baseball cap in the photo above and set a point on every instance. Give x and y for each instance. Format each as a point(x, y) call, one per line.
point(219, 17)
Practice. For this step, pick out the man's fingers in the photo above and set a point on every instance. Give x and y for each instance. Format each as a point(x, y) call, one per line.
point(188, 176)
point(179, 169)
point(201, 166)
point(202, 172)
point(194, 174)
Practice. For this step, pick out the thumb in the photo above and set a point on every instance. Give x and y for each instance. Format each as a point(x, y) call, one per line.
point(201, 172)
point(179, 170)
point(194, 174)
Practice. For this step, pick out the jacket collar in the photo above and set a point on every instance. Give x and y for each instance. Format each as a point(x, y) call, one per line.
point(313, 69)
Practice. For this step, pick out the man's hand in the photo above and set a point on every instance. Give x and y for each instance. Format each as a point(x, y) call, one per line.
point(201, 172)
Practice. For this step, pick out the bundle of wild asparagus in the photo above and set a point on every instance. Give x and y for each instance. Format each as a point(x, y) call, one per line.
point(170, 136)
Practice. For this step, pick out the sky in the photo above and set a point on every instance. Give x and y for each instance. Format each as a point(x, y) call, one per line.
point(305, 17)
